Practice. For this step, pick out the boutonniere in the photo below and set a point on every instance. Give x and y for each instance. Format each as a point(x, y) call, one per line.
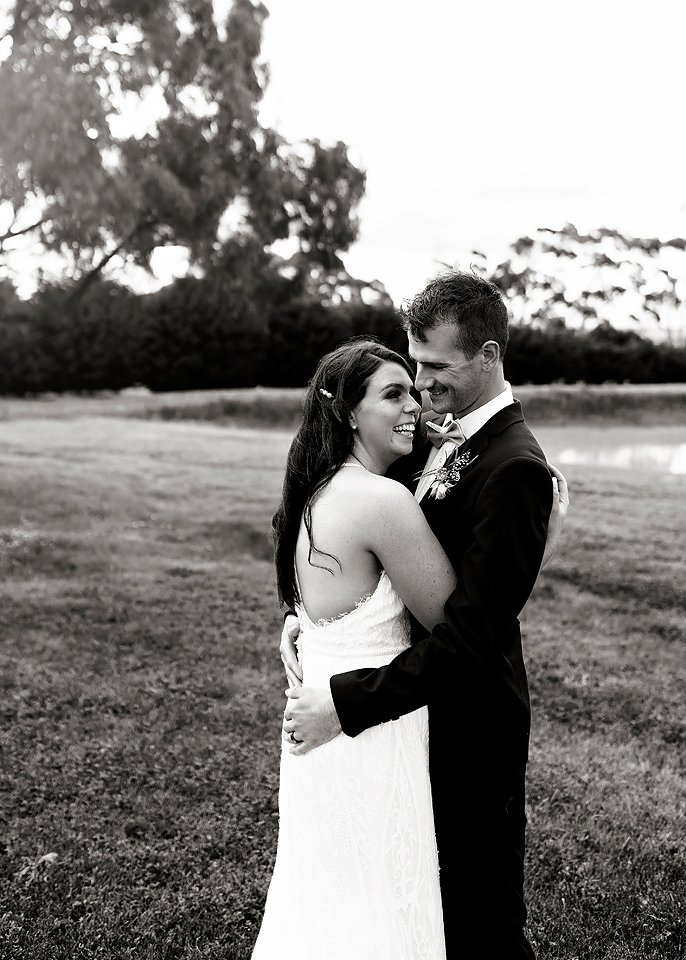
point(449, 474)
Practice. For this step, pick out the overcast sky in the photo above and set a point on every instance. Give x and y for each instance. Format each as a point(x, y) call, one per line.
point(478, 122)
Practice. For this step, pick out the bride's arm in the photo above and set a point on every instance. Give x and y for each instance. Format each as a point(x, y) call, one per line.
point(390, 524)
point(412, 556)
point(398, 534)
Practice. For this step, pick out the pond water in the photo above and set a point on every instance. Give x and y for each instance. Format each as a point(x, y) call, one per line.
point(661, 449)
point(640, 456)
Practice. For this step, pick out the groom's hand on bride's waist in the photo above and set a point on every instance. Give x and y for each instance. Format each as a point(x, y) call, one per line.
point(310, 719)
point(288, 650)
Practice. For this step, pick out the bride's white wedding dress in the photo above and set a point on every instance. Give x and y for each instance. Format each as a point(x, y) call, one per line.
point(356, 872)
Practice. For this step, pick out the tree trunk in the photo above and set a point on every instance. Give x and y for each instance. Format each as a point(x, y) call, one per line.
point(86, 281)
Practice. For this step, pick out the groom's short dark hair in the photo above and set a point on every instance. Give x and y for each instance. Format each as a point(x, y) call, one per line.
point(474, 305)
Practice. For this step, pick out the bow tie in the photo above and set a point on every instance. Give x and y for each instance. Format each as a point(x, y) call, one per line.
point(449, 430)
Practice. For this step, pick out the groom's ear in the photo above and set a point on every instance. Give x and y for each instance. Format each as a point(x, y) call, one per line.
point(490, 355)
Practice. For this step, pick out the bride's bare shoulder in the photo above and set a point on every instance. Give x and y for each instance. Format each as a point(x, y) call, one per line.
point(369, 493)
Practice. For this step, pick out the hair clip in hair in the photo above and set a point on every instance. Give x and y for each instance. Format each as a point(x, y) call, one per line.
point(326, 393)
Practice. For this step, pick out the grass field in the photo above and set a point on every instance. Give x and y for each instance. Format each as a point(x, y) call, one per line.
point(142, 694)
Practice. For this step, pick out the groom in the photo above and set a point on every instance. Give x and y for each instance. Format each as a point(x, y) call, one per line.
point(486, 493)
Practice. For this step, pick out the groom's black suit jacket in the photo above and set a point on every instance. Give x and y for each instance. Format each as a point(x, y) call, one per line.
point(470, 671)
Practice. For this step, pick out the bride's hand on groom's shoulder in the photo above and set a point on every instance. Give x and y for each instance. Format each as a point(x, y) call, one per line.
point(289, 652)
point(558, 512)
point(560, 494)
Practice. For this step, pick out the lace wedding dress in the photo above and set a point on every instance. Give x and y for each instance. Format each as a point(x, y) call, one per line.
point(356, 872)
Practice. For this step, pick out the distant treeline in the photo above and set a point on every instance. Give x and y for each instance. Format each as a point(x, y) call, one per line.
point(194, 335)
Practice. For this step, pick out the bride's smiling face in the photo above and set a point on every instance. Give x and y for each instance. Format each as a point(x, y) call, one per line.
point(385, 418)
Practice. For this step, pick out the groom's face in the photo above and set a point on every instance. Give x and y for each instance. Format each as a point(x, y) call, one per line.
point(455, 383)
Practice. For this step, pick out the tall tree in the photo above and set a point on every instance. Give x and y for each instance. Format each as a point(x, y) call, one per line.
point(74, 178)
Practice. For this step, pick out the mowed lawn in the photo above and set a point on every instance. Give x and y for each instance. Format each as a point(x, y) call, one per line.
point(142, 694)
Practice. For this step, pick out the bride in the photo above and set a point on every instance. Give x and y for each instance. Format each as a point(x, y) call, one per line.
point(356, 871)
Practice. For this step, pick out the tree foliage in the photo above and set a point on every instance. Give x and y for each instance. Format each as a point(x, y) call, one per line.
point(73, 175)
point(238, 328)
point(595, 278)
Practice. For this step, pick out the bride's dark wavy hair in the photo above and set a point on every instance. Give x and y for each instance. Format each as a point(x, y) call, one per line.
point(321, 444)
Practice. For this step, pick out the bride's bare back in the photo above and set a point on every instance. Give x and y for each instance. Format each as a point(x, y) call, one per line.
point(369, 523)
